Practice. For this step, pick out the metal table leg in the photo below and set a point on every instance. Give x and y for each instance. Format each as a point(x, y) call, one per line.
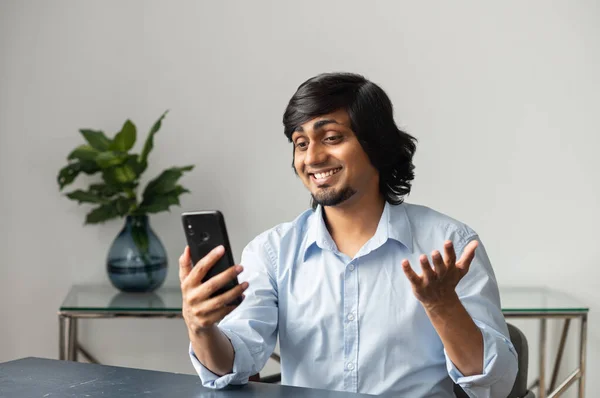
point(71, 324)
point(578, 374)
point(61, 337)
point(582, 355)
point(85, 353)
point(75, 339)
point(559, 354)
point(68, 345)
point(542, 359)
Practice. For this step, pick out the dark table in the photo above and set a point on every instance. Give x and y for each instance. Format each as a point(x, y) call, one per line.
point(49, 378)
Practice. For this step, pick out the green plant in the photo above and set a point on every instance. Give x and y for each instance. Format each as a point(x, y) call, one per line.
point(121, 170)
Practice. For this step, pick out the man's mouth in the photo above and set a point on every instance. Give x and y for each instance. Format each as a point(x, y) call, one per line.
point(323, 176)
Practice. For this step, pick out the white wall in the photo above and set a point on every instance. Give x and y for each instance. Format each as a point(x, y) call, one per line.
point(503, 97)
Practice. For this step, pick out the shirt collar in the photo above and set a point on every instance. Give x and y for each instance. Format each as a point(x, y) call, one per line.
point(394, 224)
point(317, 231)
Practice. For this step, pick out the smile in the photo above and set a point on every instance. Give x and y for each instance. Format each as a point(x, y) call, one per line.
point(325, 175)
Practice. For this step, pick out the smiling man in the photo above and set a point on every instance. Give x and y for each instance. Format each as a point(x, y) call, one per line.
point(348, 285)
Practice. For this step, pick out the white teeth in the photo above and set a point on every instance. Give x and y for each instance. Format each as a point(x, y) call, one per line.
point(320, 176)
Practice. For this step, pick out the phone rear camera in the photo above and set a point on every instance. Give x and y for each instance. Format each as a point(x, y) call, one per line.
point(204, 236)
point(190, 229)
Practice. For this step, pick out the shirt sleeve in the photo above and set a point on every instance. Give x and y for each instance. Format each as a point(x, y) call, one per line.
point(478, 292)
point(252, 327)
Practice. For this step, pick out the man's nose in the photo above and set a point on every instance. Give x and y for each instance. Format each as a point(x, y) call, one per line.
point(315, 154)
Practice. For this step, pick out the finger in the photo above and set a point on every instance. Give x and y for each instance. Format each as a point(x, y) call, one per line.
point(467, 257)
point(428, 274)
point(449, 254)
point(224, 300)
point(218, 282)
point(185, 264)
point(438, 264)
point(217, 316)
point(206, 263)
point(410, 273)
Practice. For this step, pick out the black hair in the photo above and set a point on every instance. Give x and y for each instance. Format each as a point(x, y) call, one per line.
point(389, 149)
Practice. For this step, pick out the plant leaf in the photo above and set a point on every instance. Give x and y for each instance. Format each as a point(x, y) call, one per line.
point(108, 159)
point(155, 204)
point(125, 138)
point(104, 190)
point(119, 175)
point(179, 190)
point(149, 144)
point(117, 207)
point(132, 161)
point(88, 167)
point(86, 197)
point(96, 139)
point(102, 213)
point(83, 152)
point(161, 202)
point(166, 181)
point(123, 205)
point(173, 196)
point(67, 174)
point(125, 174)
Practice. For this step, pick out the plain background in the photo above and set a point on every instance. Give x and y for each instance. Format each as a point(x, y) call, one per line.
point(503, 97)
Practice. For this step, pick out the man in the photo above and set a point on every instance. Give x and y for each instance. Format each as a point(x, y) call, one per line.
point(357, 303)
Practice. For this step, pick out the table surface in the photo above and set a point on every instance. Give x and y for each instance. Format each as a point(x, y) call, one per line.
point(85, 298)
point(36, 377)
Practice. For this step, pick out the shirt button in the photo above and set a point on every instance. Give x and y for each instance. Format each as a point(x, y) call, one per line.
point(351, 267)
point(350, 366)
point(351, 316)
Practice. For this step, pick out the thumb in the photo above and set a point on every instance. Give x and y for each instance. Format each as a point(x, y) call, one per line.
point(185, 264)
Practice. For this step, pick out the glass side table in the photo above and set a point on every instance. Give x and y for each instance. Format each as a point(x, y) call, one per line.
point(107, 302)
point(85, 301)
point(543, 304)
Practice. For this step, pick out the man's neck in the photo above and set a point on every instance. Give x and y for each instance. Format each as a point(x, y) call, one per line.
point(353, 224)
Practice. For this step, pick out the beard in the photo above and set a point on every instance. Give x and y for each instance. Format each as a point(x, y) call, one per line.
point(331, 197)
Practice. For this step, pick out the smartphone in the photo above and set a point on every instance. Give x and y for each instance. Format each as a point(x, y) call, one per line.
point(205, 230)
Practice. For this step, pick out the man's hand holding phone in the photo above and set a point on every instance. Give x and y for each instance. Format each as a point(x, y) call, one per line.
point(201, 311)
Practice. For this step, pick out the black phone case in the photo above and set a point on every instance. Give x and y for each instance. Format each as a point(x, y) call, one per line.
point(205, 230)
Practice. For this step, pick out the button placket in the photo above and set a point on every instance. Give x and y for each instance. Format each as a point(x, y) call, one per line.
point(351, 327)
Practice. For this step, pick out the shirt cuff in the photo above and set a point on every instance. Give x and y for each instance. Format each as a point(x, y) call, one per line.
point(243, 365)
point(499, 366)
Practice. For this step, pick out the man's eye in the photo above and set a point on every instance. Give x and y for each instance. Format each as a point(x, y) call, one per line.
point(333, 138)
point(301, 145)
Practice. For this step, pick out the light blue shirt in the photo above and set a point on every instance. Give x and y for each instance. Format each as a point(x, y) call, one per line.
point(354, 324)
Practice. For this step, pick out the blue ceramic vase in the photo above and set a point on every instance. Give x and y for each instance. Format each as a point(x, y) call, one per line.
point(137, 260)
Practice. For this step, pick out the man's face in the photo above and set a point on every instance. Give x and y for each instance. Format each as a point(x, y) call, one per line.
point(331, 162)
